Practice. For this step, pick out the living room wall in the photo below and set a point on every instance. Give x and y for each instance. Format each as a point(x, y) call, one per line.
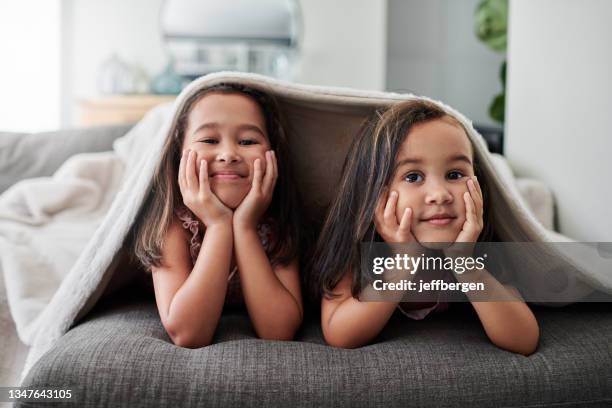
point(343, 44)
point(563, 134)
point(432, 50)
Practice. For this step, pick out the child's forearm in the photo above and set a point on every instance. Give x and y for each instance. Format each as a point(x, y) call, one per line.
point(274, 311)
point(355, 323)
point(196, 307)
point(509, 324)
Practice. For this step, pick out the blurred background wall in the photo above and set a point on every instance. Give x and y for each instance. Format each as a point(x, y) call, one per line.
point(343, 43)
point(559, 109)
point(432, 50)
point(30, 64)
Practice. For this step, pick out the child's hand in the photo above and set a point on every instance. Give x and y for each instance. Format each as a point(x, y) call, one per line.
point(386, 223)
point(472, 227)
point(196, 192)
point(255, 204)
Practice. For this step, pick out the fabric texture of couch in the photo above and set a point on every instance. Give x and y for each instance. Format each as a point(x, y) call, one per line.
point(120, 355)
point(27, 155)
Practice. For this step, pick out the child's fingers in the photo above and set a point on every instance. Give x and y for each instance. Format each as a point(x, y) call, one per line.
point(380, 208)
point(474, 193)
point(181, 172)
point(474, 215)
point(186, 169)
point(274, 166)
point(204, 182)
point(477, 195)
point(470, 213)
point(257, 174)
point(477, 189)
point(477, 184)
point(382, 201)
point(268, 177)
point(191, 176)
point(389, 215)
point(405, 222)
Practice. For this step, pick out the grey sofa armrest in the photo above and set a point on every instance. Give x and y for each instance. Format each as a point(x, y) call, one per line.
point(25, 155)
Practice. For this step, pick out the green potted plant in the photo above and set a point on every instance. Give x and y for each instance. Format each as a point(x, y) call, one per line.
point(491, 29)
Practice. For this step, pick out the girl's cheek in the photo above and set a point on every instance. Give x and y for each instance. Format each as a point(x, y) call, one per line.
point(459, 192)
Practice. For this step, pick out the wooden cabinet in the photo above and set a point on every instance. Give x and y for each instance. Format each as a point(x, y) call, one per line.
point(118, 109)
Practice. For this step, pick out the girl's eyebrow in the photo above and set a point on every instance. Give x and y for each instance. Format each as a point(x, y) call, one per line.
point(460, 157)
point(419, 160)
point(203, 126)
point(255, 128)
point(215, 125)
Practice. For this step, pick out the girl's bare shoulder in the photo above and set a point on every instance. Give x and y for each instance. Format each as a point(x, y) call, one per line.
point(343, 289)
point(176, 227)
point(175, 250)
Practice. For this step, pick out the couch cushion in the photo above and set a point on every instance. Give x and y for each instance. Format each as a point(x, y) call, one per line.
point(25, 155)
point(120, 355)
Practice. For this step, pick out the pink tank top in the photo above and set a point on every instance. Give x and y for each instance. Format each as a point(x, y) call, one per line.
point(197, 229)
point(420, 314)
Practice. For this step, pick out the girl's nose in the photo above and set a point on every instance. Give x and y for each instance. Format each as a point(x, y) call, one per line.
point(438, 193)
point(227, 154)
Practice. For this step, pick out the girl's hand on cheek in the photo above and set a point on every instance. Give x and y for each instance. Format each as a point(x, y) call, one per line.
point(473, 225)
point(386, 222)
point(196, 192)
point(257, 201)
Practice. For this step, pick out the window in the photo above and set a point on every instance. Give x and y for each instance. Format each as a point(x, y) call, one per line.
point(29, 65)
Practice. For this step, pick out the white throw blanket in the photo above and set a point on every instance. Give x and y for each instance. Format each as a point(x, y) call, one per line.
point(46, 222)
point(59, 235)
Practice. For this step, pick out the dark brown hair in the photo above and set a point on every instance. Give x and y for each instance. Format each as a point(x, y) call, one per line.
point(156, 214)
point(367, 170)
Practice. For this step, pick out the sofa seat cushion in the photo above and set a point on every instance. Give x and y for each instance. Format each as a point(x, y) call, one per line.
point(120, 355)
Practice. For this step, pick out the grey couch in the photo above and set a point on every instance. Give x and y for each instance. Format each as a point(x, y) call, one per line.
point(120, 355)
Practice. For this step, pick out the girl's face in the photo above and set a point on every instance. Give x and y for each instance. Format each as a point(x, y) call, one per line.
point(430, 177)
point(229, 132)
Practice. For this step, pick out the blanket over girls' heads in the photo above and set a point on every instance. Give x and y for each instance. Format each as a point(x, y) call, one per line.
point(321, 123)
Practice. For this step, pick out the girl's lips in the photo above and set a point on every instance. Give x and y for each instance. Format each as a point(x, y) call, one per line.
point(227, 176)
point(440, 221)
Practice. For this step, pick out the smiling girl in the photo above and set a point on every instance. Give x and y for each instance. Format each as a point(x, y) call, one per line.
point(410, 177)
point(220, 224)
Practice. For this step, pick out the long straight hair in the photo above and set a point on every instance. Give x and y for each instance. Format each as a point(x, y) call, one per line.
point(156, 214)
point(367, 170)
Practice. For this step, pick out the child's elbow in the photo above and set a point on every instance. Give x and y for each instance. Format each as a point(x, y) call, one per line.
point(340, 343)
point(525, 344)
point(529, 345)
point(524, 348)
point(339, 340)
point(530, 341)
point(190, 342)
point(185, 339)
